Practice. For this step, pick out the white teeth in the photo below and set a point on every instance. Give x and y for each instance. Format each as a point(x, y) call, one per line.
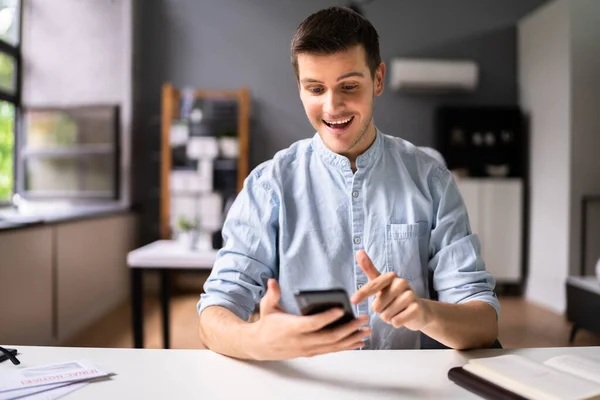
point(339, 122)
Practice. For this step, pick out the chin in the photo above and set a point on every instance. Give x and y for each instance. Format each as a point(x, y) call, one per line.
point(336, 143)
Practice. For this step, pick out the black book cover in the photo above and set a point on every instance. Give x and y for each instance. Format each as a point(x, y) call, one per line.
point(480, 386)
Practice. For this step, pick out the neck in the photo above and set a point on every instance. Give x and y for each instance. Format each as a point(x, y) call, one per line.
point(363, 144)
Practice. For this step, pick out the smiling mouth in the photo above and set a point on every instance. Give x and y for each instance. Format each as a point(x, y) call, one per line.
point(340, 124)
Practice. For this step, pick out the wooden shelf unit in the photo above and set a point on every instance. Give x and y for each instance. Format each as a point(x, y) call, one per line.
point(170, 105)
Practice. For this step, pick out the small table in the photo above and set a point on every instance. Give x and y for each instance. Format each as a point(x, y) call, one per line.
point(163, 256)
point(583, 304)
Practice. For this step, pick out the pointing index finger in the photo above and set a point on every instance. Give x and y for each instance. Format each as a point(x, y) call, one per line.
point(374, 286)
point(366, 265)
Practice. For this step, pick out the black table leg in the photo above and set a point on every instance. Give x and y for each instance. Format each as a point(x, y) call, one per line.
point(137, 307)
point(165, 299)
point(574, 330)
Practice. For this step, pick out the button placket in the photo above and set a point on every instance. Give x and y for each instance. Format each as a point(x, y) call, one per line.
point(358, 218)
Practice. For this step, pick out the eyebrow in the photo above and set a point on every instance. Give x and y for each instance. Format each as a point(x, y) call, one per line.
point(348, 75)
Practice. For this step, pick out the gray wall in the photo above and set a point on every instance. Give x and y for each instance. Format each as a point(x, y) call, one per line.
point(225, 44)
point(230, 43)
point(585, 125)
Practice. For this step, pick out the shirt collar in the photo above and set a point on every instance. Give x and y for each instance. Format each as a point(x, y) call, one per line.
point(366, 159)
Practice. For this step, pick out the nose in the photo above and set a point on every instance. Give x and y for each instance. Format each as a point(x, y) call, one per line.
point(334, 103)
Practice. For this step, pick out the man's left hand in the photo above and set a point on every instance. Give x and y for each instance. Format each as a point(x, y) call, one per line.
point(395, 301)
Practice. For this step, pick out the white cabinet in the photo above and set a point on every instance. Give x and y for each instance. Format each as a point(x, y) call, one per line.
point(495, 210)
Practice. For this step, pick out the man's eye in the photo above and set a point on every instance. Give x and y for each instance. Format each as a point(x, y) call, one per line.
point(349, 87)
point(315, 90)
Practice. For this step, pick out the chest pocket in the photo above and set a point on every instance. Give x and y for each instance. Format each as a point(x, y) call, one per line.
point(403, 244)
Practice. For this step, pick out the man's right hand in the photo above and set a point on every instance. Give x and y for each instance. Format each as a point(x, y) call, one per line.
point(279, 335)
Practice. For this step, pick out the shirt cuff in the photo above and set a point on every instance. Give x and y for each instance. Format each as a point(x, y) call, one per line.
point(208, 300)
point(488, 298)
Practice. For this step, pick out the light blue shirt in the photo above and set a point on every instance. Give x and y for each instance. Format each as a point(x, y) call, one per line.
point(303, 215)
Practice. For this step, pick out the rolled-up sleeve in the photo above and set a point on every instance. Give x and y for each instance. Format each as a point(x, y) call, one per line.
point(249, 254)
point(459, 273)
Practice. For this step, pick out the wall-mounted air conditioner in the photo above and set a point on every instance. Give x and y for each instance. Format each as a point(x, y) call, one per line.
point(433, 76)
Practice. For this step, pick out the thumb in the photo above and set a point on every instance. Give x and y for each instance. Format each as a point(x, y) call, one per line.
point(366, 265)
point(270, 301)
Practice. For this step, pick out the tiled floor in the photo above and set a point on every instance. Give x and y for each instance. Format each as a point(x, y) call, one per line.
point(522, 324)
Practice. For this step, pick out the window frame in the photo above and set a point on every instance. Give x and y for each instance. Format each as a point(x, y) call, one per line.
point(14, 51)
point(74, 153)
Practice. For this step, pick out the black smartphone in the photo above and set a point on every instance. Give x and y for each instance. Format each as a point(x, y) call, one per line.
point(4, 357)
point(316, 301)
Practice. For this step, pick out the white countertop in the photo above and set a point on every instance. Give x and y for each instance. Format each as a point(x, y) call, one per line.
point(55, 212)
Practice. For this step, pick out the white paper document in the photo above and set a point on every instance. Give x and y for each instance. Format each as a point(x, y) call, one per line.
point(58, 392)
point(47, 381)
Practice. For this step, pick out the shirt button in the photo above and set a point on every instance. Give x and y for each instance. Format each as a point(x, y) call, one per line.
point(345, 163)
point(355, 194)
point(357, 240)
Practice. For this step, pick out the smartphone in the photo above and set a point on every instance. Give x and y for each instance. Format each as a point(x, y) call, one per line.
point(316, 301)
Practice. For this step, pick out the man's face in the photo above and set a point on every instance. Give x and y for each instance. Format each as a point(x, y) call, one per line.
point(337, 92)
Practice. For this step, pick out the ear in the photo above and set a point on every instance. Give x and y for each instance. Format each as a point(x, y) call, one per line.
point(379, 79)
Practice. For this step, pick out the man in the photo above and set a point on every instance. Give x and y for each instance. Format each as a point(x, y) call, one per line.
point(350, 208)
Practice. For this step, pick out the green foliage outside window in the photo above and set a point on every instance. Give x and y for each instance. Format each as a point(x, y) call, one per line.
point(6, 73)
point(7, 117)
point(9, 33)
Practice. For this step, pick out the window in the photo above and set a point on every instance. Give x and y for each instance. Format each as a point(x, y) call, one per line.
point(10, 96)
point(70, 152)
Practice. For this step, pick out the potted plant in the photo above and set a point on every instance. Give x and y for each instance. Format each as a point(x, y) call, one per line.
point(228, 144)
point(189, 231)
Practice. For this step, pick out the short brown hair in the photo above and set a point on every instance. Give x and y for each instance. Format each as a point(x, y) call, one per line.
point(336, 29)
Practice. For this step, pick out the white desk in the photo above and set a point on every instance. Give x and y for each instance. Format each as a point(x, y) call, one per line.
point(360, 375)
point(163, 256)
point(170, 254)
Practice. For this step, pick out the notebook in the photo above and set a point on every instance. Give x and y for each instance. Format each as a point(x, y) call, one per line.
point(566, 377)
